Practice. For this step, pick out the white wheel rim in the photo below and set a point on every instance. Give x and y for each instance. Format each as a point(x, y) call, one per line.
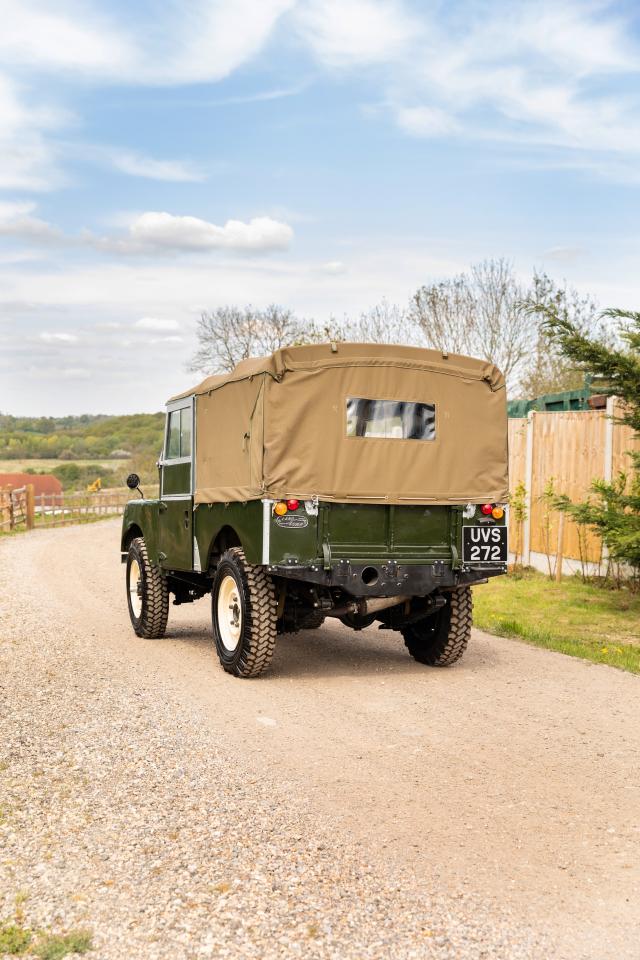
point(229, 614)
point(135, 588)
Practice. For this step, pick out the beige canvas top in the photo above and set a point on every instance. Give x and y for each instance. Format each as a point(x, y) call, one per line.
point(277, 427)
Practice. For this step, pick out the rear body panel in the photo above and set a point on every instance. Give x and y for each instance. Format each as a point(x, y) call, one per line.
point(413, 549)
point(413, 534)
point(379, 549)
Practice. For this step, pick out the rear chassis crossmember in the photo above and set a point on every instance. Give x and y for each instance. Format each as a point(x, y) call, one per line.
point(388, 578)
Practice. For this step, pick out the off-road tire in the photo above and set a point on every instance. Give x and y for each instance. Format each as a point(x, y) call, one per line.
point(258, 615)
point(151, 622)
point(441, 640)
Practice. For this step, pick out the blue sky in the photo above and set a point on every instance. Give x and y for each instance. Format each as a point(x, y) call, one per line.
point(161, 158)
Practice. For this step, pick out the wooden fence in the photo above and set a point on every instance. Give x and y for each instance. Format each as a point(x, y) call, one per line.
point(15, 507)
point(59, 509)
point(20, 508)
point(572, 448)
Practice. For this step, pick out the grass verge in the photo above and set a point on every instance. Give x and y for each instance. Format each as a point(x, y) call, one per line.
point(581, 620)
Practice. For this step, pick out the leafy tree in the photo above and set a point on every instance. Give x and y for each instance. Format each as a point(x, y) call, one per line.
point(614, 511)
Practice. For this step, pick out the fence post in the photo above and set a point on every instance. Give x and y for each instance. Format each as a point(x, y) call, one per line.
point(30, 506)
point(608, 460)
point(528, 482)
point(608, 440)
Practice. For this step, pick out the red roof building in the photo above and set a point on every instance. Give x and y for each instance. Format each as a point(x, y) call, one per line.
point(42, 482)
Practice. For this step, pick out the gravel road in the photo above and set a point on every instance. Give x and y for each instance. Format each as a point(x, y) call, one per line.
point(348, 804)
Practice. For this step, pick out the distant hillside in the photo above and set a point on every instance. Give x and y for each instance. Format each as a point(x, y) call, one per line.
point(86, 437)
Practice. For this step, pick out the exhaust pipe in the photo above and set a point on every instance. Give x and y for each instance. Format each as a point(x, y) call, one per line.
point(365, 607)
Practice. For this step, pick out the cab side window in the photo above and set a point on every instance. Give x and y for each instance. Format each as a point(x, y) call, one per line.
point(179, 434)
point(185, 432)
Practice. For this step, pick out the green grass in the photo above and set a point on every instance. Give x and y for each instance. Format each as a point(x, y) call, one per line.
point(17, 940)
point(581, 620)
point(55, 946)
point(19, 466)
point(14, 939)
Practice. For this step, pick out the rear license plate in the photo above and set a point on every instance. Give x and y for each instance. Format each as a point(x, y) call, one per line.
point(484, 544)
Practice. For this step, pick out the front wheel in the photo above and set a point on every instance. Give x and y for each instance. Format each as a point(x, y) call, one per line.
point(441, 639)
point(244, 613)
point(147, 593)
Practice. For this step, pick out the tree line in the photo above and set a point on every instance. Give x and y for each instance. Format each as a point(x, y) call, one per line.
point(483, 312)
point(81, 438)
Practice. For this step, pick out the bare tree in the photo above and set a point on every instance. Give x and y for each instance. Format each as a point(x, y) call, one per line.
point(384, 323)
point(445, 314)
point(230, 334)
point(479, 313)
point(547, 369)
point(483, 313)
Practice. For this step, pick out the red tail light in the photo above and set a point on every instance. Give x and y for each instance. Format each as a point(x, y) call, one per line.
point(486, 508)
point(293, 504)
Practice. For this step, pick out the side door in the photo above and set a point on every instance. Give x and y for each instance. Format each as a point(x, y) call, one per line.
point(176, 487)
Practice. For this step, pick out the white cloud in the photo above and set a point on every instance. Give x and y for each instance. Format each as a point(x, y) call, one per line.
point(32, 34)
point(154, 232)
point(28, 159)
point(139, 165)
point(167, 340)
point(356, 32)
point(510, 72)
point(159, 230)
point(190, 42)
point(260, 95)
point(524, 74)
point(564, 254)
point(426, 121)
point(156, 324)
point(16, 221)
point(58, 337)
point(207, 40)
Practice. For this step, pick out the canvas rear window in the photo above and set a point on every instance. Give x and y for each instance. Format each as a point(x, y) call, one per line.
point(390, 419)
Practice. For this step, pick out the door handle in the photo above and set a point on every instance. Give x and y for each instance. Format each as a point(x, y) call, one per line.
point(186, 519)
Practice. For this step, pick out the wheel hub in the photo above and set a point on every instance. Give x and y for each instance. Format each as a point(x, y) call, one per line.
point(135, 588)
point(229, 614)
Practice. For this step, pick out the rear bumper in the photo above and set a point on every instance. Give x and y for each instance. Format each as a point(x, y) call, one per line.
point(388, 578)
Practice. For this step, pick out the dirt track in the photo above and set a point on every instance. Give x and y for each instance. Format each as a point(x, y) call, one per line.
point(498, 799)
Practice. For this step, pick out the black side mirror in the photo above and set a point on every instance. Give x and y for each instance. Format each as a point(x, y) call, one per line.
point(133, 482)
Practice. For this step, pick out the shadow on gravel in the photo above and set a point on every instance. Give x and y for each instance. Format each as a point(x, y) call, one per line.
point(331, 651)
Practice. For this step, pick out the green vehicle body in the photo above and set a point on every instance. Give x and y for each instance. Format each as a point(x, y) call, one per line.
point(407, 549)
point(407, 565)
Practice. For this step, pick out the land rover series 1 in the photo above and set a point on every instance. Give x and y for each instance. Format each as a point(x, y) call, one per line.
point(358, 481)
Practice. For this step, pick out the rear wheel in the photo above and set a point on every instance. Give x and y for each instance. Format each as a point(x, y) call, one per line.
point(441, 639)
point(147, 593)
point(244, 613)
